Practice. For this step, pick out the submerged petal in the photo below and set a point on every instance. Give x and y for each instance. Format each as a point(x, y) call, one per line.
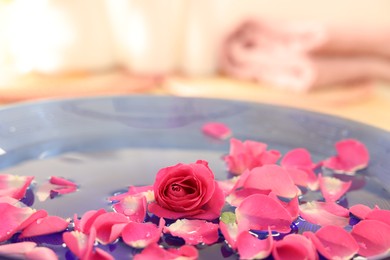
point(251, 247)
point(271, 214)
point(352, 156)
point(334, 242)
point(194, 231)
point(372, 237)
point(216, 130)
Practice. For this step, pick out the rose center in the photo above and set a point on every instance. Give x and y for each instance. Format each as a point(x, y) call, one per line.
point(178, 190)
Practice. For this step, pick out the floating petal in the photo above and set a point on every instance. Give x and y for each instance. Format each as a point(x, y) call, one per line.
point(332, 188)
point(270, 214)
point(334, 242)
point(274, 178)
point(352, 156)
point(372, 237)
point(79, 243)
point(360, 211)
point(26, 250)
point(15, 219)
point(217, 130)
point(132, 206)
point(229, 232)
point(294, 246)
point(298, 158)
point(56, 185)
point(147, 191)
point(141, 235)
point(44, 226)
point(85, 223)
point(250, 247)
point(14, 186)
point(154, 251)
point(236, 197)
point(109, 226)
point(324, 213)
point(194, 231)
point(382, 215)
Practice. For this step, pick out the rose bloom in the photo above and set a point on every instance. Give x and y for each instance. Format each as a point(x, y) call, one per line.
point(187, 191)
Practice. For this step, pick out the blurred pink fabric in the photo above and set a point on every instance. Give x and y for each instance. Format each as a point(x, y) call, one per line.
point(302, 55)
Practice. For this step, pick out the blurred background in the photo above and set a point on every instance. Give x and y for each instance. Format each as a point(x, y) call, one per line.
point(68, 48)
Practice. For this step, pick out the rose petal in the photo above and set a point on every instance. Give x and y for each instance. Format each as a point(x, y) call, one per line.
point(382, 215)
point(216, 130)
point(229, 232)
point(26, 250)
point(154, 251)
point(194, 231)
point(14, 186)
point(270, 214)
point(332, 188)
point(147, 191)
point(236, 197)
point(274, 178)
point(56, 185)
point(294, 246)
point(352, 156)
point(334, 242)
point(299, 158)
point(132, 206)
point(324, 213)
point(248, 155)
point(360, 211)
point(109, 226)
point(85, 223)
point(14, 219)
point(44, 226)
point(292, 206)
point(372, 237)
point(250, 247)
point(79, 243)
point(141, 235)
point(227, 185)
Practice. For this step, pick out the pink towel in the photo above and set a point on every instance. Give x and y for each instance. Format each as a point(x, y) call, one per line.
point(302, 56)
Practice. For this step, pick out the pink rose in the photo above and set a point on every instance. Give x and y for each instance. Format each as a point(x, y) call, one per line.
point(187, 191)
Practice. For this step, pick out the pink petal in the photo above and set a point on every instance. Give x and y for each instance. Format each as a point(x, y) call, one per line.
point(216, 130)
point(274, 178)
point(250, 247)
point(324, 213)
point(294, 246)
point(236, 197)
point(100, 254)
point(248, 155)
point(154, 251)
point(360, 211)
point(292, 206)
point(147, 191)
point(270, 214)
point(303, 177)
point(352, 156)
point(26, 250)
point(109, 226)
point(299, 158)
point(229, 232)
point(132, 206)
point(84, 225)
point(334, 242)
point(41, 253)
point(332, 188)
point(372, 237)
point(79, 243)
point(382, 215)
point(194, 231)
point(14, 219)
point(56, 185)
point(14, 186)
point(227, 185)
point(140, 235)
point(44, 226)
